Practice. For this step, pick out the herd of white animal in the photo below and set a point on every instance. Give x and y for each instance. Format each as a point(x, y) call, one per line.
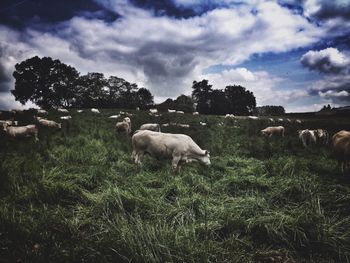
point(180, 147)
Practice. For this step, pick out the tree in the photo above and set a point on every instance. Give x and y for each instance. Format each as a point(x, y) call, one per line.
point(270, 110)
point(201, 93)
point(45, 82)
point(240, 100)
point(184, 103)
point(144, 98)
point(219, 103)
point(92, 91)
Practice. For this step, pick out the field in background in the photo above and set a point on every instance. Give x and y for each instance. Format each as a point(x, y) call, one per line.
point(75, 196)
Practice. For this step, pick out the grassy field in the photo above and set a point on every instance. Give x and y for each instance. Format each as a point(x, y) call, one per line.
point(75, 196)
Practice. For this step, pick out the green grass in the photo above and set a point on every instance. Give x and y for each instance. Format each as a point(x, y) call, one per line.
point(75, 196)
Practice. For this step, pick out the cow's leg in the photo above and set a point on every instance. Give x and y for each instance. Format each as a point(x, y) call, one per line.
point(176, 160)
point(139, 157)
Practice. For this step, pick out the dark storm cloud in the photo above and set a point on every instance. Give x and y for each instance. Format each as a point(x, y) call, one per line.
point(331, 9)
point(22, 13)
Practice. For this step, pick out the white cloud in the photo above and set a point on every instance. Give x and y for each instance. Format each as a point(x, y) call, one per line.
point(166, 54)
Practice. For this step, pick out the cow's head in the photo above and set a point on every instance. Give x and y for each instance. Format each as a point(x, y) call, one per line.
point(205, 158)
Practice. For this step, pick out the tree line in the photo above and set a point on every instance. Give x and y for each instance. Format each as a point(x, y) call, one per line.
point(50, 83)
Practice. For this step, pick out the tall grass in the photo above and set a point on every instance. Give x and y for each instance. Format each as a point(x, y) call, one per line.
point(75, 196)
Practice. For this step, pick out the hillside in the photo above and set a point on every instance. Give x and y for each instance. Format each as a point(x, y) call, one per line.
point(75, 196)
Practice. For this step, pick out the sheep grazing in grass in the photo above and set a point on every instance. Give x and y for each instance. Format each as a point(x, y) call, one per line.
point(21, 131)
point(273, 131)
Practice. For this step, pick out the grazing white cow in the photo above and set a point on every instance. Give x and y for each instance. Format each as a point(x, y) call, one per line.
point(307, 137)
point(124, 126)
point(95, 110)
point(273, 130)
point(289, 120)
point(179, 147)
point(79, 111)
point(151, 127)
point(183, 125)
point(68, 117)
point(298, 121)
point(22, 131)
point(62, 110)
point(229, 116)
point(322, 136)
point(341, 149)
point(137, 108)
point(171, 111)
point(9, 122)
point(48, 123)
point(180, 112)
point(165, 125)
point(280, 119)
point(202, 123)
point(153, 111)
point(195, 113)
point(114, 116)
point(253, 117)
point(39, 111)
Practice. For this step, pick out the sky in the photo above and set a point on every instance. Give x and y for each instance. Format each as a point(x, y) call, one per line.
point(294, 53)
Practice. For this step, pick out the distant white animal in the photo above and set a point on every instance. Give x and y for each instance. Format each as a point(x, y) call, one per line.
point(289, 120)
point(307, 137)
point(48, 123)
point(180, 112)
point(165, 125)
point(272, 131)
point(341, 149)
point(151, 127)
point(124, 126)
point(21, 131)
point(114, 116)
point(8, 122)
point(229, 116)
point(79, 111)
point(95, 110)
point(202, 123)
point(62, 110)
point(153, 111)
point(68, 117)
point(271, 120)
point(137, 108)
point(280, 119)
point(39, 111)
point(322, 136)
point(183, 125)
point(179, 147)
point(195, 113)
point(171, 111)
point(253, 117)
point(298, 121)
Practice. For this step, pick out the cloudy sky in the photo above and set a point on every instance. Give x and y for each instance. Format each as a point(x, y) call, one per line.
point(294, 53)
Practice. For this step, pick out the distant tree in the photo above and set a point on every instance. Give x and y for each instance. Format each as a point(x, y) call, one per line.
point(45, 82)
point(270, 110)
point(92, 91)
point(218, 103)
point(326, 108)
point(144, 98)
point(201, 94)
point(240, 101)
point(184, 103)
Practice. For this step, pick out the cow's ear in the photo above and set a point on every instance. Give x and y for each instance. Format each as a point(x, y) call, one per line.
point(207, 152)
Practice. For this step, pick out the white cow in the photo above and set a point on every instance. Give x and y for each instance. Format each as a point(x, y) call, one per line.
point(171, 111)
point(322, 136)
point(229, 116)
point(9, 122)
point(202, 123)
point(307, 137)
point(183, 125)
point(68, 117)
point(253, 117)
point(62, 110)
point(79, 111)
point(195, 113)
point(137, 108)
point(95, 110)
point(22, 131)
point(151, 127)
point(179, 147)
point(180, 112)
point(153, 111)
point(341, 149)
point(273, 130)
point(124, 126)
point(48, 123)
point(298, 121)
point(39, 111)
point(114, 116)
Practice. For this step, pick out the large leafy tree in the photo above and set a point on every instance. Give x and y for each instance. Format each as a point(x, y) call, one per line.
point(91, 90)
point(45, 82)
point(240, 100)
point(144, 98)
point(201, 94)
